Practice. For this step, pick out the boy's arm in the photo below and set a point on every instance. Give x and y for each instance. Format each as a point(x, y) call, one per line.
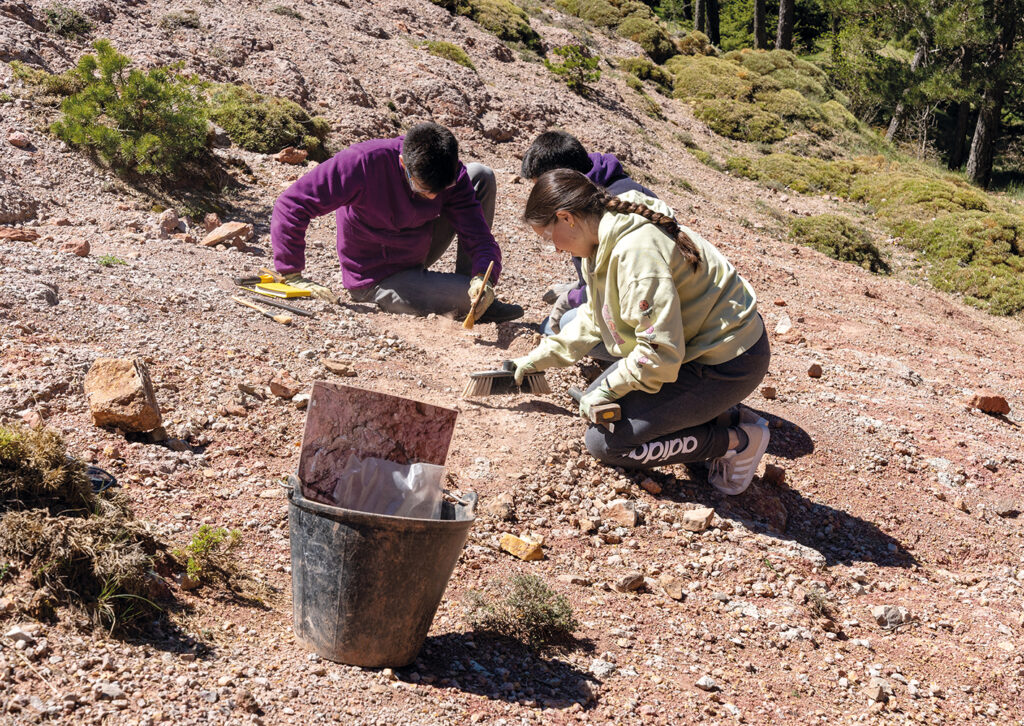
point(334, 183)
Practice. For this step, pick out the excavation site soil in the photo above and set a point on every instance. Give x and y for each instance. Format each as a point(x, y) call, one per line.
point(884, 483)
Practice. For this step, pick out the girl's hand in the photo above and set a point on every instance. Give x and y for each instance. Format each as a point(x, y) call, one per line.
point(597, 397)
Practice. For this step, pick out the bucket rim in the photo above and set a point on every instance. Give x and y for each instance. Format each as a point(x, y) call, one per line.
point(296, 498)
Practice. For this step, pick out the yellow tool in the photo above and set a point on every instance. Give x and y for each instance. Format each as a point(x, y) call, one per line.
point(282, 318)
point(280, 289)
point(471, 316)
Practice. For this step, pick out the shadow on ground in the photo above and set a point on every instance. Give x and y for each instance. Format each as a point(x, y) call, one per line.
point(779, 511)
point(502, 670)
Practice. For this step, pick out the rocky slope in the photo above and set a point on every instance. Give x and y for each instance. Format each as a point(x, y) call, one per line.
point(885, 487)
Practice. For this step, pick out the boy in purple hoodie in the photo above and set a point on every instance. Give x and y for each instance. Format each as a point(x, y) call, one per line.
point(560, 150)
point(399, 204)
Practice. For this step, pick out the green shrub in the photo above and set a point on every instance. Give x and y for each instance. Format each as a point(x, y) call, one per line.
point(789, 104)
point(650, 36)
point(706, 159)
point(597, 12)
point(502, 18)
point(287, 12)
point(576, 68)
point(839, 238)
point(897, 196)
point(267, 124)
point(66, 21)
point(110, 261)
point(696, 43)
point(635, 83)
point(449, 51)
point(838, 116)
point(524, 609)
point(184, 19)
point(151, 122)
point(646, 70)
point(209, 552)
point(784, 70)
point(738, 120)
point(741, 166)
point(708, 77)
point(802, 175)
point(51, 84)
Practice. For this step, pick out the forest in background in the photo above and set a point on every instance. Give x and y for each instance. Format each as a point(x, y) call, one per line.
point(945, 80)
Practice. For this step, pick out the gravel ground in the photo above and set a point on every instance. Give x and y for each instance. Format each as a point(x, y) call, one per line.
point(883, 487)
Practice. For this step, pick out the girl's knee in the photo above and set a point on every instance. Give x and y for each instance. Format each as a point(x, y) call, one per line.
point(596, 440)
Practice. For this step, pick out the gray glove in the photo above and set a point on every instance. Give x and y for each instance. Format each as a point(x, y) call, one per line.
point(560, 308)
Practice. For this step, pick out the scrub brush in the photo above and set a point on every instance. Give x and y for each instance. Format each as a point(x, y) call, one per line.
point(492, 383)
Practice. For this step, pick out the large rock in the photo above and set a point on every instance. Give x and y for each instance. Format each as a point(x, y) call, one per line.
point(231, 233)
point(120, 394)
point(989, 402)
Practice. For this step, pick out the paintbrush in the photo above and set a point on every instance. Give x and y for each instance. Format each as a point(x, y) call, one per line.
point(492, 383)
point(283, 319)
point(471, 315)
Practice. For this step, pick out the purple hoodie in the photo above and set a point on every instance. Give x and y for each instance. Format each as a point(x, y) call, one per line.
point(606, 172)
point(383, 227)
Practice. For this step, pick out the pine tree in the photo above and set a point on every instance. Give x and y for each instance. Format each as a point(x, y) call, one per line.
point(151, 122)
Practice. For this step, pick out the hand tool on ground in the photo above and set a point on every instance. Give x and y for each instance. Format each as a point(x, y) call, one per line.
point(274, 276)
point(281, 289)
point(491, 383)
point(251, 280)
point(471, 315)
point(283, 319)
point(603, 414)
point(284, 306)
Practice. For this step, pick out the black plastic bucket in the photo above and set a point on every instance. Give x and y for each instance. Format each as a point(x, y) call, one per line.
point(365, 587)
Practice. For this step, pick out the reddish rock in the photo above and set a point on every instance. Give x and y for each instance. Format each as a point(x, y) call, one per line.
point(169, 221)
point(77, 247)
point(774, 474)
point(815, 370)
point(989, 402)
point(622, 512)
point(120, 393)
point(19, 139)
point(291, 155)
point(231, 233)
point(14, 234)
point(769, 393)
point(284, 386)
point(211, 221)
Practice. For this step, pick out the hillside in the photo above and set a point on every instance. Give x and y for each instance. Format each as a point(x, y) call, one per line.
point(887, 488)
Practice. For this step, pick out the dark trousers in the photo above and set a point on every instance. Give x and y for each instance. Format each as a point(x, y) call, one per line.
point(677, 424)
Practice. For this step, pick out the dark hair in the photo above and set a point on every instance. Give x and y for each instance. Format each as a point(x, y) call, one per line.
point(431, 154)
point(566, 190)
point(554, 150)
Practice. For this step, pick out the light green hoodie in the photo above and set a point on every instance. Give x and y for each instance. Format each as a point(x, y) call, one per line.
point(652, 308)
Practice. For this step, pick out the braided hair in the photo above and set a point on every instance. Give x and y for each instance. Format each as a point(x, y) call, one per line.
point(567, 190)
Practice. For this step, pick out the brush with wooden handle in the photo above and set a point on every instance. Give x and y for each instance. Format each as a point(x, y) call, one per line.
point(282, 318)
point(471, 316)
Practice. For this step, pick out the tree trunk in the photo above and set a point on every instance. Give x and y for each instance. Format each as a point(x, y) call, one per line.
point(784, 36)
point(956, 152)
point(760, 34)
point(700, 18)
point(901, 109)
point(712, 21)
point(958, 149)
point(986, 130)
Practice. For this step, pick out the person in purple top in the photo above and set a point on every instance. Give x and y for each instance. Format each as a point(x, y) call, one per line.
point(560, 150)
point(399, 204)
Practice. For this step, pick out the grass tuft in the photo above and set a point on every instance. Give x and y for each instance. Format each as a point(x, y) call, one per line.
point(524, 609)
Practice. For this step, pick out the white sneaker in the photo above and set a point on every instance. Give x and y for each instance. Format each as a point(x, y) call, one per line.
point(731, 474)
point(747, 416)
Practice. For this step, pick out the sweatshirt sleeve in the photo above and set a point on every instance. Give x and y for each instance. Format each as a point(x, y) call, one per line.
point(651, 306)
point(463, 210)
point(332, 184)
point(558, 351)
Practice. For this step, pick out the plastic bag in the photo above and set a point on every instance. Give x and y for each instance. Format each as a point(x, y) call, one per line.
point(378, 486)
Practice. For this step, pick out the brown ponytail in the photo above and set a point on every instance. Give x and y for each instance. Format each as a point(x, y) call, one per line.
point(570, 191)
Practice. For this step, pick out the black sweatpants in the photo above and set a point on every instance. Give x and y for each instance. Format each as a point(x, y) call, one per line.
point(677, 424)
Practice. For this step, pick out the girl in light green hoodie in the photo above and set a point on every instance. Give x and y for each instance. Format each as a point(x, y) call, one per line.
point(684, 325)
